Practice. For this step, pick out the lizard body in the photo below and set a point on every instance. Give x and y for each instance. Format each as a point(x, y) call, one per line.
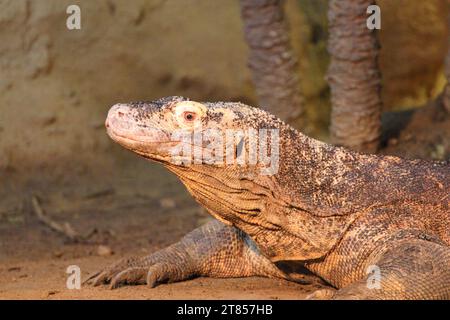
point(338, 212)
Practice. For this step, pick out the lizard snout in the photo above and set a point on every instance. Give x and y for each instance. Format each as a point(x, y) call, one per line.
point(119, 118)
point(126, 125)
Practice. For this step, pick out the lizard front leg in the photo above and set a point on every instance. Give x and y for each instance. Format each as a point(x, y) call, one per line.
point(214, 250)
point(410, 269)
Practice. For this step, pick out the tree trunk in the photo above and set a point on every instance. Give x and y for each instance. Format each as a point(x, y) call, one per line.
point(353, 76)
point(271, 61)
point(447, 68)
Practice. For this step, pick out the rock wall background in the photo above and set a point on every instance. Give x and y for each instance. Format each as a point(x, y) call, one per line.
point(56, 85)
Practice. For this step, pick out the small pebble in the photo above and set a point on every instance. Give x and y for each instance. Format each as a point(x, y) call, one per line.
point(58, 254)
point(104, 251)
point(14, 269)
point(51, 293)
point(167, 203)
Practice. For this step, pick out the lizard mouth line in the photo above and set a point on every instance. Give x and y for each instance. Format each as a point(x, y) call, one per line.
point(147, 149)
point(115, 135)
point(142, 147)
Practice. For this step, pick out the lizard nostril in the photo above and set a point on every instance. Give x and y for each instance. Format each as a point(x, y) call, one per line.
point(120, 114)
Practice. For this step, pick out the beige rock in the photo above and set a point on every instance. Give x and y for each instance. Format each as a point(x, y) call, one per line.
point(103, 250)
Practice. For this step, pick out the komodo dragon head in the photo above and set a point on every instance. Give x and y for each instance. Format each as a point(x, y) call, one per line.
point(215, 148)
point(177, 131)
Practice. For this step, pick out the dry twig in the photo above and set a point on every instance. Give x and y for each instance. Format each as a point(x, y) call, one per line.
point(65, 228)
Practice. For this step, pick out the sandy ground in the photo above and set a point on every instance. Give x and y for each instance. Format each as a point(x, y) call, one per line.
point(47, 280)
point(131, 207)
point(134, 211)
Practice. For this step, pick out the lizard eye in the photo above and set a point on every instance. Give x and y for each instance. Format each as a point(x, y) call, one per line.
point(189, 116)
point(188, 113)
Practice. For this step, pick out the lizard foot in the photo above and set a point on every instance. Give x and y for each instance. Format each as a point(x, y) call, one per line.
point(112, 272)
point(138, 271)
point(212, 250)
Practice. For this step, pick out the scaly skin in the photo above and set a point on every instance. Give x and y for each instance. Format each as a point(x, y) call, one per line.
point(338, 212)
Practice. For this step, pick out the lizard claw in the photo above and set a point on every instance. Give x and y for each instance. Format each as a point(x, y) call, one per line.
point(90, 279)
point(152, 276)
point(134, 271)
point(106, 275)
point(134, 276)
point(158, 273)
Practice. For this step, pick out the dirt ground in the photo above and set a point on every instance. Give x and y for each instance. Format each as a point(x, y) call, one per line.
point(130, 207)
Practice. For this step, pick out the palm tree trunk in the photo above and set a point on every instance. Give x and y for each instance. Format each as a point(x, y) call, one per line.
point(353, 76)
point(271, 61)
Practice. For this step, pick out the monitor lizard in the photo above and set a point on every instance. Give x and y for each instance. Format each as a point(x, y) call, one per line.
point(372, 226)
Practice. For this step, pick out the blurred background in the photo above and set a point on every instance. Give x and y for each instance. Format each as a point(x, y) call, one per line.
point(56, 86)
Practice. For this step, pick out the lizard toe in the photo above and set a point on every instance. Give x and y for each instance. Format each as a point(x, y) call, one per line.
point(130, 276)
point(157, 274)
point(104, 276)
point(98, 279)
point(92, 278)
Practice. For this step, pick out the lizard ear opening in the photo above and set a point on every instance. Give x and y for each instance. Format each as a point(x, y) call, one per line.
point(189, 114)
